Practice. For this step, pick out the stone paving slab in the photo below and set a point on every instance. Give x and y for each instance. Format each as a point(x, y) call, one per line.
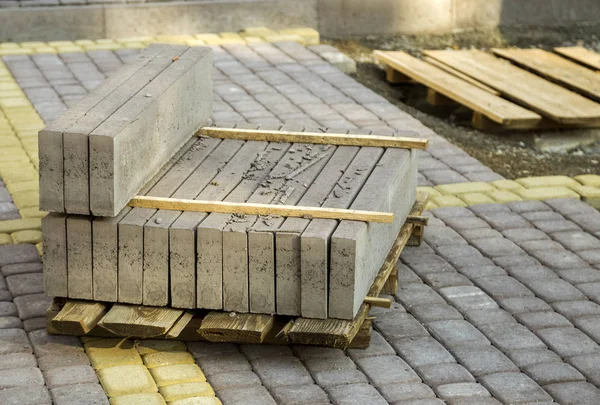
point(499, 305)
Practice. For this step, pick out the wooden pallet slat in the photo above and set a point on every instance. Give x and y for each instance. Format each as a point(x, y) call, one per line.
point(495, 108)
point(523, 87)
point(581, 55)
point(234, 327)
point(556, 69)
point(78, 317)
point(460, 75)
point(180, 325)
point(139, 321)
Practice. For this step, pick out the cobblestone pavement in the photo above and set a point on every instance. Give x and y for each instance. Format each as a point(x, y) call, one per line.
point(500, 305)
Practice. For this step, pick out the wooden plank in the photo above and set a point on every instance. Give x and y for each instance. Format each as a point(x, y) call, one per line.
point(363, 337)
point(559, 70)
point(460, 75)
point(233, 327)
point(78, 317)
point(496, 108)
point(379, 302)
point(180, 325)
point(391, 285)
point(315, 138)
point(521, 86)
point(581, 55)
point(226, 207)
point(395, 77)
point(417, 219)
point(139, 321)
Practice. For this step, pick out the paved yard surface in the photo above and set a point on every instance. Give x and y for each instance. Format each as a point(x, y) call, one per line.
point(500, 305)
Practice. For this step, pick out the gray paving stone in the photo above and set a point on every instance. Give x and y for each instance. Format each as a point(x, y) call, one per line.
point(404, 392)
point(452, 212)
point(58, 377)
point(502, 221)
point(240, 379)
point(511, 337)
point(576, 309)
point(203, 349)
point(461, 223)
point(62, 359)
point(8, 309)
point(568, 342)
point(32, 305)
point(5, 296)
point(442, 236)
point(523, 304)
point(503, 287)
point(253, 352)
point(382, 370)
point(339, 377)
point(91, 394)
point(461, 390)
point(524, 234)
point(426, 401)
point(446, 279)
point(13, 254)
point(45, 344)
point(489, 208)
point(574, 393)
point(482, 361)
point(577, 241)
point(316, 352)
point(542, 320)
point(378, 347)
point(483, 270)
point(494, 247)
point(531, 246)
point(422, 351)
point(399, 325)
point(591, 290)
point(554, 372)
point(34, 324)
point(20, 377)
point(17, 360)
point(355, 394)
point(466, 298)
point(21, 268)
point(280, 371)
point(455, 333)
point(509, 262)
point(531, 272)
point(315, 365)
point(479, 233)
point(529, 357)
point(554, 290)
point(447, 373)
point(223, 363)
point(14, 341)
point(23, 284)
point(246, 396)
point(477, 401)
point(459, 251)
point(480, 317)
point(590, 256)
point(418, 294)
point(300, 395)
point(405, 275)
point(37, 395)
point(589, 325)
point(514, 388)
point(10, 322)
point(431, 313)
point(528, 206)
point(429, 263)
point(588, 365)
point(556, 225)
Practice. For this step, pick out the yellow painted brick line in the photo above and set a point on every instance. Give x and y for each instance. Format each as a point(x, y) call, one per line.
point(585, 187)
point(148, 372)
point(303, 35)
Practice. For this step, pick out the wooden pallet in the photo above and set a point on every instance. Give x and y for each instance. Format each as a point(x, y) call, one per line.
point(581, 55)
point(501, 95)
point(90, 318)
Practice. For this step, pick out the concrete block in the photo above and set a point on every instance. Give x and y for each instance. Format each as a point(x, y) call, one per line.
point(132, 135)
point(54, 232)
point(79, 257)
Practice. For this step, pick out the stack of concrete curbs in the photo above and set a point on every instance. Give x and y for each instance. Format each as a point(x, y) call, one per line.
point(97, 248)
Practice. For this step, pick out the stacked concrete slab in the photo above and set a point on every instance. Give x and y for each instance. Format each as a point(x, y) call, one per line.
point(97, 248)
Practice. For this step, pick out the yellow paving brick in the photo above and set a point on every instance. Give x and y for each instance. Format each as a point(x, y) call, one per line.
point(195, 42)
point(588, 179)
point(257, 31)
point(24, 175)
point(9, 45)
point(507, 185)
point(448, 201)
point(5, 239)
point(462, 188)
point(546, 193)
point(105, 41)
point(15, 51)
point(309, 35)
point(547, 181)
point(503, 197)
point(70, 48)
point(206, 36)
point(431, 205)
point(9, 142)
point(589, 194)
point(284, 37)
point(138, 39)
point(186, 390)
point(40, 249)
point(198, 401)
point(224, 41)
point(45, 49)
point(105, 353)
point(173, 39)
point(10, 86)
point(15, 225)
point(27, 237)
point(13, 102)
point(233, 35)
point(26, 199)
point(84, 42)
point(124, 380)
point(167, 358)
point(253, 40)
point(102, 47)
point(11, 151)
point(155, 346)
point(430, 190)
point(476, 198)
point(62, 43)
point(32, 212)
point(139, 399)
point(134, 45)
point(177, 374)
point(32, 44)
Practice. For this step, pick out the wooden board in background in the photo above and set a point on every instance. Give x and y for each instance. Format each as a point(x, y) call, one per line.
point(495, 108)
point(460, 75)
point(523, 87)
point(556, 69)
point(581, 55)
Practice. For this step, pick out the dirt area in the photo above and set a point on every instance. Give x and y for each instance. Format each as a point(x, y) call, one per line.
point(512, 154)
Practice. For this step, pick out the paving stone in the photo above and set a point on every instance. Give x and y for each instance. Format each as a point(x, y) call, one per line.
point(529, 357)
point(503, 287)
point(422, 351)
point(378, 347)
point(382, 370)
point(588, 365)
point(528, 206)
point(443, 236)
point(482, 361)
point(462, 223)
point(489, 208)
point(577, 241)
point(225, 363)
point(10, 322)
point(568, 342)
point(8, 309)
point(590, 256)
point(300, 395)
point(452, 212)
point(5, 296)
point(572, 393)
point(45, 344)
point(63, 359)
point(493, 247)
point(446, 279)
point(21, 268)
point(579, 276)
point(589, 325)
point(511, 337)
point(431, 313)
point(355, 394)
point(592, 290)
point(148, 399)
point(339, 377)
point(399, 325)
point(554, 372)
point(429, 263)
point(14, 341)
point(531, 272)
point(279, 371)
point(542, 216)
point(19, 377)
point(524, 234)
point(477, 401)
point(454, 333)
point(34, 324)
point(447, 373)
point(403, 392)
point(479, 233)
point(480, 317)
point(32, 305)
point(523, 304)
point(554, 290)
point(315, 365)
point(240, 379)
point(405, 275)
point(22, 284)
point(124, 380)
point(533, 245)
point(246, 396)
point(91, 394)
point(17, 360)
point(461, 390)
point(418, 294)
point(452, 252)
point(502, 221)
point(466, 298)
point(159, 359)
point(253, 352)
point(514, 388)
point(552, 226)
point(26, 396)
point(542, 320)
point(58, 377)
point(204, 349)
point(576, 309)
point(12, 254)
point(478, 271)
point(509, 262)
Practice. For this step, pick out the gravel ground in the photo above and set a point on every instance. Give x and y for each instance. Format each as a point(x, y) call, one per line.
point(512, 154)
